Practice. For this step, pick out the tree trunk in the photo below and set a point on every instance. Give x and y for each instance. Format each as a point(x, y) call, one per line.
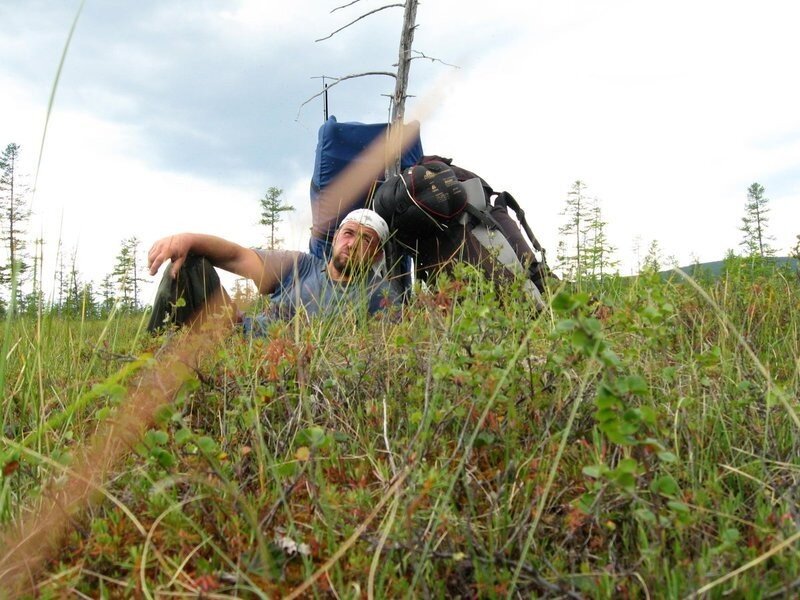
point(403, 69)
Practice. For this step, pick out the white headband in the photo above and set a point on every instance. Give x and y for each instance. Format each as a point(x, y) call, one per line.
point(368, 218)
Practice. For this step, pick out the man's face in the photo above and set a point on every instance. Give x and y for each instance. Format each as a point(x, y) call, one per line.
point(355, 249)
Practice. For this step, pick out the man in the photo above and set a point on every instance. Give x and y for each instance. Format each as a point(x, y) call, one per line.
point(294, 280)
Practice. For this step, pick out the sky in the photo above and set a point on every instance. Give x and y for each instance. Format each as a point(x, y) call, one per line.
point(175, 116)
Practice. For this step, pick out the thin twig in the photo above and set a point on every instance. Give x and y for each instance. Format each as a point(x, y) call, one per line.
point(345, 6)
point(432, 59)
point(337, 80)
point(372, 12)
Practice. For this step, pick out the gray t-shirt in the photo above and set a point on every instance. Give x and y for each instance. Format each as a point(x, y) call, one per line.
point(307, 284)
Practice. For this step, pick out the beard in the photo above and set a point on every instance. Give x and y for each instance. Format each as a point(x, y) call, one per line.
point(349, 266)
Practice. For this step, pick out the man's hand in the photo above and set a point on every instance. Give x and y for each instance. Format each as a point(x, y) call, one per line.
point(223, 254)
point(175, 248)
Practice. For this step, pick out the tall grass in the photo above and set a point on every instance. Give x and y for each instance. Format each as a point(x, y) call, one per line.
point(638, 440)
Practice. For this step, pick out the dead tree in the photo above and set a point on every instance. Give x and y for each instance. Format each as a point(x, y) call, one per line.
point(403, 66)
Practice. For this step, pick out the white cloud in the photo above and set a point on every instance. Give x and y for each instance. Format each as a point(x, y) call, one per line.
point(660, 113)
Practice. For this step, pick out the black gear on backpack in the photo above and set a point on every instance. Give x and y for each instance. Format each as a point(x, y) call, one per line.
point(421, 201)
point(440, 212)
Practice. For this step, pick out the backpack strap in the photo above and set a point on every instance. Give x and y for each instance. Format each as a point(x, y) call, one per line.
point(507, 200)
point(483, 215)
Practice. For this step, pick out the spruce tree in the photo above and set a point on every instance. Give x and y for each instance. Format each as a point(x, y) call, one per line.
point(598, 250)
point(73, 300)
point(108, 294)
point(572, 253)
point(136, 270)
point(121, 275)
point(754, 223)
point(652, 262)
point(14, 215)
point(34, 301)
point(88, 308)
point(61, 280)
point(126, 274)
point(272, 207)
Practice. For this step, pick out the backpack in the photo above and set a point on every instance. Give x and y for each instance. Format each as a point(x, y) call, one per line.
point(440, 212)
point(339, 145)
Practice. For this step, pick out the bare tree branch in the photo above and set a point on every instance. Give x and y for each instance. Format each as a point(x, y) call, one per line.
point(432, 59)
point(337, 80)
point(344, 6)
point(372, 12)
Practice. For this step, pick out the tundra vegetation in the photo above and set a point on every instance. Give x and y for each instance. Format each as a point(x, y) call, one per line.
point(638, 438)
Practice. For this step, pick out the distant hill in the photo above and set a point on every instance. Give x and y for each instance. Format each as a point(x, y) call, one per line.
point(715, 268)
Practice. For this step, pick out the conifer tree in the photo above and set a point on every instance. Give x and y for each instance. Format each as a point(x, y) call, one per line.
point(107, 293)
point(754, 223)
point(34, 302)
point(598, 251)
point(73, 300)
point(272, 207)
point(572, 253)
point(14, 215)
point(126, 274)
point(652, 262)
point(121, 276)
point(87, 306)
point(136, 270)
point(61, 280)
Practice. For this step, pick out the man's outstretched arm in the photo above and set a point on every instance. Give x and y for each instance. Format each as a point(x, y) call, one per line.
point(224, 254)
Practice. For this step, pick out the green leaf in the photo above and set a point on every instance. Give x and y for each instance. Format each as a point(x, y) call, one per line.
point(632, 416)
point(730, 535)
point(164, 458)
point(648, 414)
point(651, 313)
point(667, 457)
point(182, 436)
point(582, 340)
point(586, 502)
point(605, 416)
point(156, 437)
point(286, 469)
point(207, 445)
point(591, 325)
point(653, 442)
point(164, 414)
point(566, 325)
point(593, 471)
point(628, 465)
point(606, 398)
point(626, 480)
point(609, 358)
point(645, 514)
point(678, 506)
point(563, 302)
point(636, 384)
point(628, 428)
point(312, 436)
point(665, 485)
